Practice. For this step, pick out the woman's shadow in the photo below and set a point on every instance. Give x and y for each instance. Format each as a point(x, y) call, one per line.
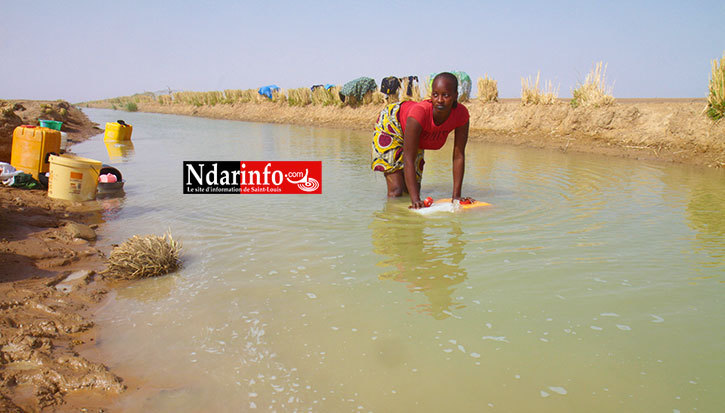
point(424, 253)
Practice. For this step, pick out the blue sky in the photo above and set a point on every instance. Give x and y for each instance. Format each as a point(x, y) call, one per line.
point(85, 50)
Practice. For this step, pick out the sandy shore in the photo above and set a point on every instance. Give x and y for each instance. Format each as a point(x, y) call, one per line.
point(669, 130)
point(49, 286)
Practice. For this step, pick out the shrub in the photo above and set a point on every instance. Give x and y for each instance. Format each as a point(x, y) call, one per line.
point(131, 107)
point(532, 95)
point(593, 92)
point(142, 257)
point(716, 99)
point(487, 89)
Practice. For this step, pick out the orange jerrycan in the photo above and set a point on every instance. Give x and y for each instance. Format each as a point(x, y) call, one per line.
point(32, 146)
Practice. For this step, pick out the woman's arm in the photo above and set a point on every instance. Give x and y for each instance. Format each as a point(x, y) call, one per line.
point(459, 159)
point(411, 144)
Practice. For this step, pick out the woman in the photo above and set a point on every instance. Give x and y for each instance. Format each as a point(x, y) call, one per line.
point(404, 130)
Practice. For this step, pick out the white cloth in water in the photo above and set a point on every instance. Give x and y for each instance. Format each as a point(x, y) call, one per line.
point(439, 208)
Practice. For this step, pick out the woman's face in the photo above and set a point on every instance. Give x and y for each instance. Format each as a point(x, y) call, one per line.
point(444, 94)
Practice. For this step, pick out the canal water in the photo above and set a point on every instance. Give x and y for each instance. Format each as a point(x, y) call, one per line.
point(590, 284)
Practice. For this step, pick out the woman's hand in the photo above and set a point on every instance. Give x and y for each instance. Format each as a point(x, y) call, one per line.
point(417, 204)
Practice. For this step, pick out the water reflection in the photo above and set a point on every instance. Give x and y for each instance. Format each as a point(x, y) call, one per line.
point(707, 216)
point(703, 196)
point(424, 254)
point(119, 151)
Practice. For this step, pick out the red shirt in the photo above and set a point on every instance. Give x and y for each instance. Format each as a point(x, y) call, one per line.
point(433, 136)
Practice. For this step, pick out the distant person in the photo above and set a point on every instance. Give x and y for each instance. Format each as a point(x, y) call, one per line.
point(405, 129)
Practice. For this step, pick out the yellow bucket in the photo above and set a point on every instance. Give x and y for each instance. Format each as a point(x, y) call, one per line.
point(73, 178)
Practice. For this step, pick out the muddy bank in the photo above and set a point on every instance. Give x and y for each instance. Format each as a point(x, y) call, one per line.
point(671, 130)
point(48, 286)
point(14, 113)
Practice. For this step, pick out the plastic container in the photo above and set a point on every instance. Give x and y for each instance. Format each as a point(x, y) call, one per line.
point(73, 178)
point(51, 124)
point(110, 188)
point(116, 132)
point(63, 141)
point(31, 148)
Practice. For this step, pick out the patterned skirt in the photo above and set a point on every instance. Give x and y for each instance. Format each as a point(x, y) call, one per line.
point(387, 154)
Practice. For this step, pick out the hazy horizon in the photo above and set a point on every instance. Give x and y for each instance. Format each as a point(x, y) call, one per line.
point(84, 50)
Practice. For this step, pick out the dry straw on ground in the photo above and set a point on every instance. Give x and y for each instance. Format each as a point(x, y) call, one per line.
point(593, 92)
point(142, 257)
point(716, 99)
point(487, 89)
point(532, 95)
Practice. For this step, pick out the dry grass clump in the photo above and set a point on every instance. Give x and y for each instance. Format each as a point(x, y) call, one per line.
point(487, 89)
point(593, 92)
point(240, 96)
point(532, 95)
point(279, 96)
point(299, 97)
point(147, 97)
point(143, 257)
point(164, 99)
point(378, 97)
point(716, 99)
point(199, 98)
point(326, 97)
point(415, 90)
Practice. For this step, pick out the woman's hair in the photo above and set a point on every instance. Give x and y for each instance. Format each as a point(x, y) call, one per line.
point(452, 78)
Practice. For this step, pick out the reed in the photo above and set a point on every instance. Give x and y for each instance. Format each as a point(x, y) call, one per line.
point(532, 95)
point(716, 99)
point(143, 257)
point(415, 90)
point(164, 99)
point(243, 96)
point(487, 89)
point(279, 96)
point(377, 97)
point(232, 95)
point(299, 97)
point(326, 97)
point(593, 92)
point(146, 97)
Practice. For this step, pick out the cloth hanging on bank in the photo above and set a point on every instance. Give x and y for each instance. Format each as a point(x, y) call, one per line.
point(358, 88)
point(327, 86)
point(267, 90)
point(411, 79)
point(390, 85)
